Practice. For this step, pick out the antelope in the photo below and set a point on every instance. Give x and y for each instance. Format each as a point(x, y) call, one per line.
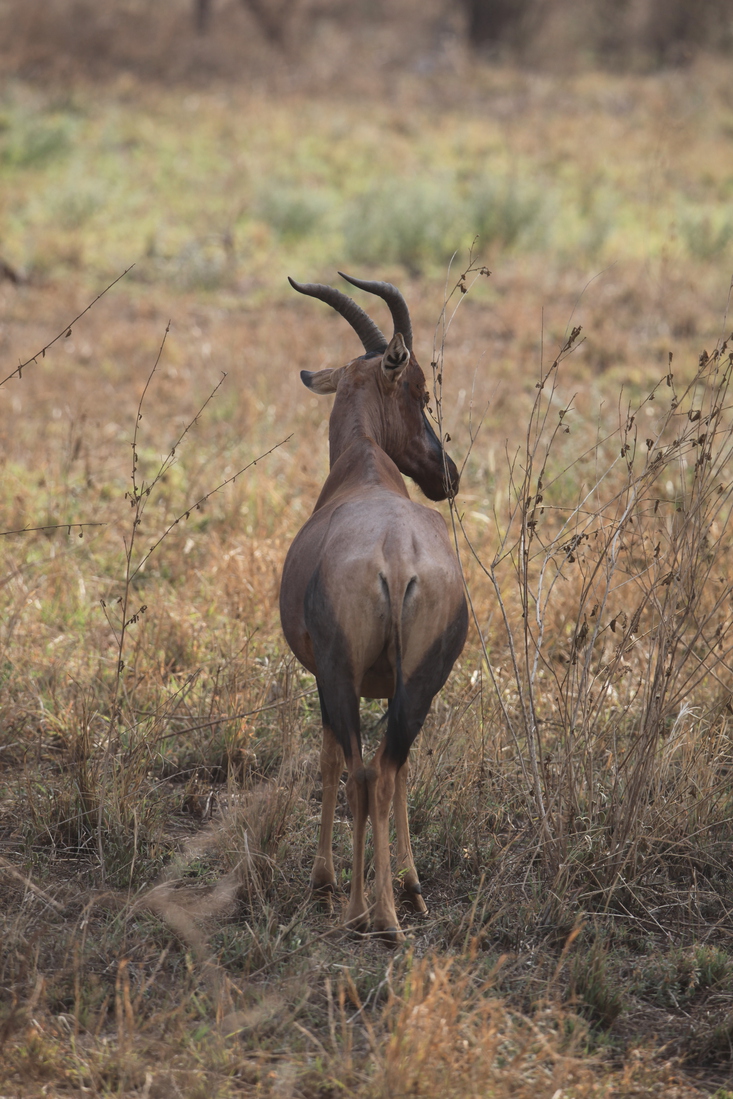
point(372, 600)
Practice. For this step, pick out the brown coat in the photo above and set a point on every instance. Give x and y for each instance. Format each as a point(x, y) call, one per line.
point(372, 598)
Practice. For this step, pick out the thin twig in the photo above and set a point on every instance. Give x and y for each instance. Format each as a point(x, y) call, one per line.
point(65, 331)
point(51, 526)
point(197, 505)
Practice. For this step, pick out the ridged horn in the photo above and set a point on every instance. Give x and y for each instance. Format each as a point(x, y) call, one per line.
point(371, 337)
point(395, 301)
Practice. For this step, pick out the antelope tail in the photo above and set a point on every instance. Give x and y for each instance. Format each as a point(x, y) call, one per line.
point(398, 738)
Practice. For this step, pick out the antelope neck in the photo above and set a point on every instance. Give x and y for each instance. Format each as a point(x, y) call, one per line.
point(357, 415)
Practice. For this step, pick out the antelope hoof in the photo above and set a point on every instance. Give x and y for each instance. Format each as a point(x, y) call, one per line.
point(359, 925)
point(412, 896)
point(357, 919)
point(392, 936)
point(323, 893)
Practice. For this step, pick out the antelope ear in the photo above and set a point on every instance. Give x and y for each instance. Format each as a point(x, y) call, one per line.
point(395, 358)
point(321, 381)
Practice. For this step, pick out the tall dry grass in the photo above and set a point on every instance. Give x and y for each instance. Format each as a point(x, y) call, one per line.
point(570, 797)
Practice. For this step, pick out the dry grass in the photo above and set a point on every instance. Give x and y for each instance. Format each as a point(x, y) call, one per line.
point(570, 794)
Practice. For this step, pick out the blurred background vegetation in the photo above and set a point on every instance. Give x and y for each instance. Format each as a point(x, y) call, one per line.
point(588, 146)
point(540, 127)
point(301, 40)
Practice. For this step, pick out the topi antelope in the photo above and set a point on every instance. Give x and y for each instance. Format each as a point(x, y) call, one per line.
point(372, 597)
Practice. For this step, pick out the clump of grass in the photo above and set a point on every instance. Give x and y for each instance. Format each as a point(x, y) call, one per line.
point(201, 264)
point(688, 975)
point(712, 1044)
point(599, 998)
point(706, 235)
point(450, 1034)
point(506, 212)
point(292, 211)
point(410, 222)
point(28, 140)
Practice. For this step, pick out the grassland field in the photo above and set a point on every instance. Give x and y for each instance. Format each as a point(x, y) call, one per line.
point(159, 746)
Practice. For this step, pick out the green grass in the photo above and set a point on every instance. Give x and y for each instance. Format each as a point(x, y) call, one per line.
point(207, 191)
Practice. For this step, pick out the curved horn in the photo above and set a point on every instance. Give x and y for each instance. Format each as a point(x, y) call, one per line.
point(395, 301)
point(372, 337)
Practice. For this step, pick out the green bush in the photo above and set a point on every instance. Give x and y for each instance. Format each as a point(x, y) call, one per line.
point(291, 211)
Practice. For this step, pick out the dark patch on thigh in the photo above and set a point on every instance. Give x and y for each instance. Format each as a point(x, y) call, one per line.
point(334, 672)
point(413, 699)
point(327, 638)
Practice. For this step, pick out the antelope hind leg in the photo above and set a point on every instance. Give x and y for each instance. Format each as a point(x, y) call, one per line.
point(323, 876)
point(357, 913)
point(411, 888)
point(381, 783)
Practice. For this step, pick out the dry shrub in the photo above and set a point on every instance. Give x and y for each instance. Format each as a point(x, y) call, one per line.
point(612, 581)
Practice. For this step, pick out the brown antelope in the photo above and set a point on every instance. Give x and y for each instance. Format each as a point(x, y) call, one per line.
point(372, 597)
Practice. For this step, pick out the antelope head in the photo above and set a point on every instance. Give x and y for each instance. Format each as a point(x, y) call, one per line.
point(382, 394)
